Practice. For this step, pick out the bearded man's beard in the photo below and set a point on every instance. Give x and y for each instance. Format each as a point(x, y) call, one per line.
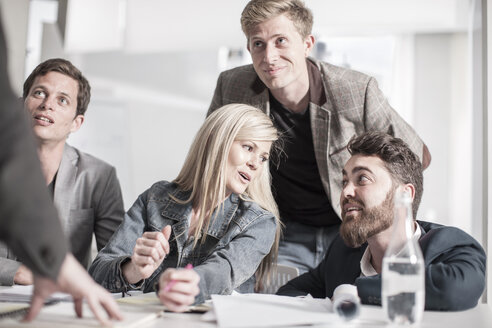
point(356, 229)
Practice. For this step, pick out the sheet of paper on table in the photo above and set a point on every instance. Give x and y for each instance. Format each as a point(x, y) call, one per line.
point(264, 310)
point(137, 311)
point(62, 314)
point(23, 294)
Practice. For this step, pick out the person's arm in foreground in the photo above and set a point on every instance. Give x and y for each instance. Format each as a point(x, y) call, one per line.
point(74, 280)
point(30, 226)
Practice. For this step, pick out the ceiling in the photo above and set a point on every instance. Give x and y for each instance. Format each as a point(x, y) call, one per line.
point(143, 26)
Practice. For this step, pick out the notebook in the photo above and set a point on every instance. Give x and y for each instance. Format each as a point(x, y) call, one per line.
point(151, 301)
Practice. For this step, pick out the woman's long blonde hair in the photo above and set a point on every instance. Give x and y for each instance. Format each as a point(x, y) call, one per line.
point(203, 172)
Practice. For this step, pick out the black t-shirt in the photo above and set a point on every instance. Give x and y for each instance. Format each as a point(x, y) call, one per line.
point(51, 186)
point(296, 183)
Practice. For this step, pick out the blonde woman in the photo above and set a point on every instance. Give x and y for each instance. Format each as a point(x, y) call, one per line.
point(218, 216)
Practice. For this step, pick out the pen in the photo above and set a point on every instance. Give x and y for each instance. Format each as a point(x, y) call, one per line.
point(173, 282)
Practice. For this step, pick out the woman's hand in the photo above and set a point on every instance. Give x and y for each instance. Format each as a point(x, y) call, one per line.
point(149, 252)
point(178, 288)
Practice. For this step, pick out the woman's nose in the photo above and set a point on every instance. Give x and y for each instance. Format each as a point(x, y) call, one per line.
point(253, 161)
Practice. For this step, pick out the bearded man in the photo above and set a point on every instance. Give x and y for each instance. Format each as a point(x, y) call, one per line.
point(380, 165)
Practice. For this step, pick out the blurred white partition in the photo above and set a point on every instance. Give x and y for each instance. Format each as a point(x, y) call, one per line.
point(92, 25)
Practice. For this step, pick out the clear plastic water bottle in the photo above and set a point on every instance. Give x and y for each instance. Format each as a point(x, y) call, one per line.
point(403, 285)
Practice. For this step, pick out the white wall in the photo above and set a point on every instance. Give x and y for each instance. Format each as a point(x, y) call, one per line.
point(146, 142)
point(442, 117)
point(15, 18)
point(149, 107)
point(486, 53)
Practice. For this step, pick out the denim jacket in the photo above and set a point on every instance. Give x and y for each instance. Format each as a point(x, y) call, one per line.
point(237, 240)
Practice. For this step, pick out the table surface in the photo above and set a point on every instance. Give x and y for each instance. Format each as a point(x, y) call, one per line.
point(370, 316)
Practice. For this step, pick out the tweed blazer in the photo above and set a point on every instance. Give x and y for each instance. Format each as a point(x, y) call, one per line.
point(88, 198)
point(354, 104)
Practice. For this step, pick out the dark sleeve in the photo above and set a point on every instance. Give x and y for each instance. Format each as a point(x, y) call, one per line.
point(454, 272)
point(311, 282)
point(217, 100)
point(30, 226)
point(369, 289)
point(341, 265)
point(454, 269)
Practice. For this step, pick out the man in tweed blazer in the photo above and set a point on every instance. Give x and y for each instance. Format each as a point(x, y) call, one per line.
point(85, 190)
point(318, 107)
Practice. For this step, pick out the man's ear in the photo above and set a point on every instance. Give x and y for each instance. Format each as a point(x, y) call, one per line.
point(308, 44)
point(77, 123)
point(410, 189)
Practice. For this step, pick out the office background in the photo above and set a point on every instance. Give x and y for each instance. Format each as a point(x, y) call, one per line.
point(153, 65)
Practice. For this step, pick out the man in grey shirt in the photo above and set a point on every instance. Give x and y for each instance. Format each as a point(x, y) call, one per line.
point(85, 190)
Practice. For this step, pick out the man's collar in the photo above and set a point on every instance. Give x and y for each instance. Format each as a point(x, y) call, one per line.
point(366, 267)
point(316, 89)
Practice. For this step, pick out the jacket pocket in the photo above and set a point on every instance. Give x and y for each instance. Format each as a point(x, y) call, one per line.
point(80, 227)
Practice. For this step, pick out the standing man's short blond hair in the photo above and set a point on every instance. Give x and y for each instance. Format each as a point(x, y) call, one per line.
point(258, 11)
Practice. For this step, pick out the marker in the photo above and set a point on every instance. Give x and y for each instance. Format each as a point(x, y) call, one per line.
point(173, 282)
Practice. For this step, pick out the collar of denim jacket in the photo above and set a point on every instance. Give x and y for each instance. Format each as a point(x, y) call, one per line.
point(219, 221)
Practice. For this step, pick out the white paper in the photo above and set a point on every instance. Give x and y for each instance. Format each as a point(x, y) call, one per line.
point(265, 310)
point(18, 293)
point(62, 315)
